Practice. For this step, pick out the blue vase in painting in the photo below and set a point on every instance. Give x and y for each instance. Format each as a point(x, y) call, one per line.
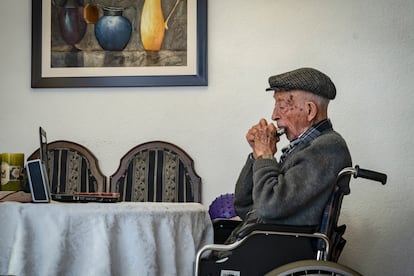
point(113, 30)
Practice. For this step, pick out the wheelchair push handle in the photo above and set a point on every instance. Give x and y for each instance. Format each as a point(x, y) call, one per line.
point(369, 174)
point(363, 173)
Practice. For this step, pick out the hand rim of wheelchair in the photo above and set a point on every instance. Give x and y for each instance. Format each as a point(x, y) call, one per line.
point(313, 267)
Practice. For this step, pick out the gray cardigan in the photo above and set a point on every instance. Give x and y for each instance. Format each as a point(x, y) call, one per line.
point(296, 191)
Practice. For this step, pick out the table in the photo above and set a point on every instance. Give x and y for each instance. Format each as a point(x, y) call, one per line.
point(127, 238)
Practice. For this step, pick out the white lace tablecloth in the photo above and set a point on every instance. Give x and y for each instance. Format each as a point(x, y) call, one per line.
point(119, 239)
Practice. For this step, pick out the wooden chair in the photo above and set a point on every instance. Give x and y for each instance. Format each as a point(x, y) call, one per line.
point(72, 168)
point(157, 171)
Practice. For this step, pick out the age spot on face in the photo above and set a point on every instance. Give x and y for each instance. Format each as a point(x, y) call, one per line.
point(291, 102)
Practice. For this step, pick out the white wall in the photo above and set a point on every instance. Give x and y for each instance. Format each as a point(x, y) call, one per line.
point(365, 46)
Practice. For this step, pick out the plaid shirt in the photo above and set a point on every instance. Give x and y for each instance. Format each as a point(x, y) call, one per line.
point(306, 137)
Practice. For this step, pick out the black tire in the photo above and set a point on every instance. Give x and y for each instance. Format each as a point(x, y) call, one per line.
point(313, 267)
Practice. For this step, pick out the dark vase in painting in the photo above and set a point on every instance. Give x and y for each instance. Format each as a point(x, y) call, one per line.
point(72, 26)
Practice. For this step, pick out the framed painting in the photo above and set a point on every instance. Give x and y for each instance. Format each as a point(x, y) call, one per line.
point(124, 43)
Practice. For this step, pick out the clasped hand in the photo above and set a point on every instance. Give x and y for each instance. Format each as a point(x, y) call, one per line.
point(262, 138)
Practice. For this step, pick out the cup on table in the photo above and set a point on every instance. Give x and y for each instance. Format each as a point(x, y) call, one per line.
point(12, 173)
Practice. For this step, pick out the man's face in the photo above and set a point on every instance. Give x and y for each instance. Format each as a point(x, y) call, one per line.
point(290, 112)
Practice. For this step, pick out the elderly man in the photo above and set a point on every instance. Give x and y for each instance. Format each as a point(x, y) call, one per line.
point(295, 189)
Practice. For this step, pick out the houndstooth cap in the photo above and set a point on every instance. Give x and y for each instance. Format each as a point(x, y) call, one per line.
point(307, 79)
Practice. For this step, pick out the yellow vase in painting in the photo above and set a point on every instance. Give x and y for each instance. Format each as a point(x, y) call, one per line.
point(153, 25)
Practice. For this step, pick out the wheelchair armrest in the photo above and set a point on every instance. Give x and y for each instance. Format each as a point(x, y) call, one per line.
point(249, 228)
point(225, 223)
point(223, 228)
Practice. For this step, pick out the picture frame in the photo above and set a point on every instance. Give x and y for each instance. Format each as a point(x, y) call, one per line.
point(56, 65)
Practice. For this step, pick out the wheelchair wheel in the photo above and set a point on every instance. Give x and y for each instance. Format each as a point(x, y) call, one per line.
point(313, 267)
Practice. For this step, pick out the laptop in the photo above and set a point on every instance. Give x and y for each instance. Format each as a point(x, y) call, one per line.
point(37, 171)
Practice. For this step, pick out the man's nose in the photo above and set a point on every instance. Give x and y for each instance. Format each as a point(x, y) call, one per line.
point(275, 115)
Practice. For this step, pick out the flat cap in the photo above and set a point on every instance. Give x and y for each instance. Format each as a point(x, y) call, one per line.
point(307, 79)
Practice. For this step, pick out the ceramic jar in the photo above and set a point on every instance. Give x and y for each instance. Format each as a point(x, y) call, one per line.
point(113, 30)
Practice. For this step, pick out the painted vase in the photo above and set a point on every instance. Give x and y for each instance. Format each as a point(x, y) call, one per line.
point(113, 30)
point(72, 26)
point(153, 25)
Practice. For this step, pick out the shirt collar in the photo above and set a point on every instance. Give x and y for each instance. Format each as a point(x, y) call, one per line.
point(306, 137)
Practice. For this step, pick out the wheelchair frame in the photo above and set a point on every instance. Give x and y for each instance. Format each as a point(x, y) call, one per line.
point(318, 265)
point(228, 247)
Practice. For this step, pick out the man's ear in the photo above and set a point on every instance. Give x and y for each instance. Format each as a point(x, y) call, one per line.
point(312, 110)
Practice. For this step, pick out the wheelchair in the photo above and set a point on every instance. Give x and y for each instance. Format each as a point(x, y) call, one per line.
point(306, 250)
